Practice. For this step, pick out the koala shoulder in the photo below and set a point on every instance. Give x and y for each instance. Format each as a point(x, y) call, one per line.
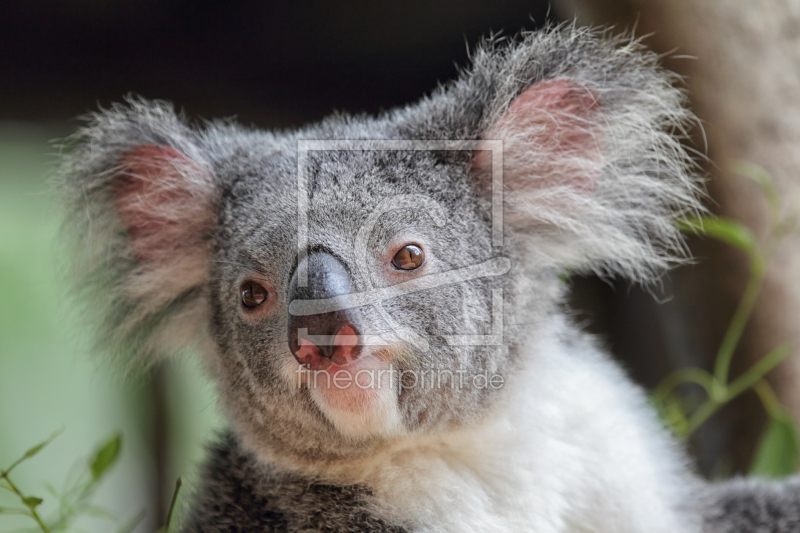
point(752, 506)
point(240, 493)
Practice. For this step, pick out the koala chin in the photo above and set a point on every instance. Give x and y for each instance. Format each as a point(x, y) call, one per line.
point(380, 299)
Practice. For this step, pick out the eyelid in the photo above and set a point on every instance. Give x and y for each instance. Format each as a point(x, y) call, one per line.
point(403, 238)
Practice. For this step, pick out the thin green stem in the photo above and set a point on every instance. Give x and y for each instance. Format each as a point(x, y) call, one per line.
point(19, 494)
point(698, 376)
point(768, 398)
point(719, 390)
point(739, 321)
point(747, 380)
point(4, 474)
point(178, 483)
point(757, 371)
point(703, 413)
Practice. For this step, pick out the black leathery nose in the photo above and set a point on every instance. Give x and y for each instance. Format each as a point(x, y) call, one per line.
point(327, 277)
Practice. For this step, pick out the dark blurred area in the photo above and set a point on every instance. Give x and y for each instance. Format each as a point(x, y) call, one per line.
point(272, 64)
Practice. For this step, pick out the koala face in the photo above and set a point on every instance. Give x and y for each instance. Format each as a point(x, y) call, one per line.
point(375, 220)
point(396, 267)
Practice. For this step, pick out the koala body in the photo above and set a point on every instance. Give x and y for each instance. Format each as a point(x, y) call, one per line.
point(379, 299)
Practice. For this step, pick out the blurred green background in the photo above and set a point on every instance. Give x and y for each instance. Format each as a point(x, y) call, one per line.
point(48, 379)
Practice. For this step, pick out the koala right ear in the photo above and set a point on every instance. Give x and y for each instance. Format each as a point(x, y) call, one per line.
point(552, 141)
point(142, 203)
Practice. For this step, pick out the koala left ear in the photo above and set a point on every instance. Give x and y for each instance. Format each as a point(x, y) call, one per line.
point(594, 171)
point(142, 211)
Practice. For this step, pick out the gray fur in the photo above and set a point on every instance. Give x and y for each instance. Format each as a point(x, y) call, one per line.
point(283, 468)
point(752, 506)
point(241, 494)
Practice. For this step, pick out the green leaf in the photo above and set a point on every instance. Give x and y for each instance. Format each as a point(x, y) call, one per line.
point(36, 449)
point(778, 451)
point(32, 501)
point(106, 456)
point(723, 229)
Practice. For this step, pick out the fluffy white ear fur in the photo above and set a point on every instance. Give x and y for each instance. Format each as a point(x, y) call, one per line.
point(591, 186)
point(140, 227)
point(164, 201)
point(549, 141)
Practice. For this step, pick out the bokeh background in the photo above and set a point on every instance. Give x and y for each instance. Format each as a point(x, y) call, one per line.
point(279, 65)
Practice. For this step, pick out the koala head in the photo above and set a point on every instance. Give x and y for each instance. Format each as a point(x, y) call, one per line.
point(371, 278)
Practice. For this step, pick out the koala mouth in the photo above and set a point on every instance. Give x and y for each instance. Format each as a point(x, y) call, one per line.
point(360, 399)
point(354, 386)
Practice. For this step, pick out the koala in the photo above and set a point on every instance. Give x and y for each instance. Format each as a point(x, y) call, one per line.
point(380, 299)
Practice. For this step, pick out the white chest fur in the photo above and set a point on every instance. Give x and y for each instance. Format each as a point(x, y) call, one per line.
point(573, 448)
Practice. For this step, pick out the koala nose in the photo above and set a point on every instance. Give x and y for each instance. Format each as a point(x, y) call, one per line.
point(317, 341)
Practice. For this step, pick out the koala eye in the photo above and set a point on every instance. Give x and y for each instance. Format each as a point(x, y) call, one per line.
point(253, 294)
point(409, 257)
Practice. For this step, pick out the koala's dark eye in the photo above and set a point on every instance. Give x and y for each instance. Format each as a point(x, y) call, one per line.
point(253, 294)
point(409, 257)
